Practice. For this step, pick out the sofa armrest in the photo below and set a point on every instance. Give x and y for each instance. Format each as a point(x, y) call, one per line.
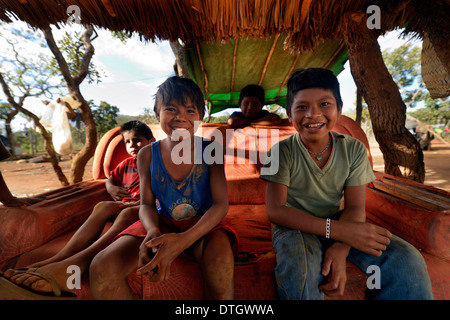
point(418, 213)
point(26, 228)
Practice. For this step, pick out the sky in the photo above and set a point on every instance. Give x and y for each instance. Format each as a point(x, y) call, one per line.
point(132, 71)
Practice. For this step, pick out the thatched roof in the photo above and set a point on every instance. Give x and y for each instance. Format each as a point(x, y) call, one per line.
point(307, 22)
point(304, 25)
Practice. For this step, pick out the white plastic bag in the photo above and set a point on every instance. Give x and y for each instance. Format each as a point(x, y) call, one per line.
point(55, 120)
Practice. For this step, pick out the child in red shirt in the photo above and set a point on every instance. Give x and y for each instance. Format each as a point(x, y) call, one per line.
point(123, 186)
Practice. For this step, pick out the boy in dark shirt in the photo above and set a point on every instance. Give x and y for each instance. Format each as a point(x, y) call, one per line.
point(251, 101)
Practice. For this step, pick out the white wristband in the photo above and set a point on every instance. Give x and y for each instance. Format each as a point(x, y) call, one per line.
point(328, 228)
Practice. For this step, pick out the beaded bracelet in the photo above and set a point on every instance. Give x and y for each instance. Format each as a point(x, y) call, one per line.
point(327, 234)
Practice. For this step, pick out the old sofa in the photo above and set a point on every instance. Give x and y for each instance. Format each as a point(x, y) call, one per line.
point(416, 212)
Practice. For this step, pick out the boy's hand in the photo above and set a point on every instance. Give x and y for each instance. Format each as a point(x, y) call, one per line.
point(144, 256)
point(366, 237)
point(118, 193)
point(168, 246)
point(334, 262)
point(21, 202)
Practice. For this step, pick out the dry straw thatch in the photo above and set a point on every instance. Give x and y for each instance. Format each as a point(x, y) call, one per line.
point(434, 74)
point(307, 22)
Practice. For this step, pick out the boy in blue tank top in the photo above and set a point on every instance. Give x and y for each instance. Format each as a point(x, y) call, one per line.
point(311, 235)
point(181, 210)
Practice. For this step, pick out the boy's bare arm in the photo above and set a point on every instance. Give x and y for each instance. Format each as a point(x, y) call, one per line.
point(360, 235)
point(147, 210)
point(334, 260)
point(9, 200)
point(268, 120)
point(237, 121)
point(116, 192)
point(171, 245)
point(280, 214)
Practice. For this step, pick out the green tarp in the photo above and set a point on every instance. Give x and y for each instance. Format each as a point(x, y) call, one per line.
point(263, 61)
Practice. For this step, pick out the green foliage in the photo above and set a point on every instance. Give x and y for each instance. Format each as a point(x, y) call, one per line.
point(279, 110)
point(432, 115)
point(220, 119)
point(26, 73)
point(148, 117)
point(5, 109)
point(30, 141)
point(121, 119)
point(104, 116)
point(72, 46)
point(404, 65)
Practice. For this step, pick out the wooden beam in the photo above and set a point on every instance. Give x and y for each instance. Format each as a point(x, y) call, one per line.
point(336, 52)
point(268, 58)
point(433, 196)
point(203, 71)
point(418, 199)
point(288, 74)
point(234, 68)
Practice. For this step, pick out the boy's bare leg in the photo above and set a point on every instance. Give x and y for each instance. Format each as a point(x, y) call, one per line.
point(109, 269)
point(82, 259)
point(89, 231)
point(217, 263)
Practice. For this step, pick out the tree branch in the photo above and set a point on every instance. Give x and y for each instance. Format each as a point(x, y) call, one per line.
point(86, 60)
point(59, 57)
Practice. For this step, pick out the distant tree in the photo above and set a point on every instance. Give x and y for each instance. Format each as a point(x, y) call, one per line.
point(220, 119)
point(105, 116)
point(432, 115)
point(23, 76)
point(148, 117)
point(73, 60)
point(121, 119)
point(404, 65)
point(8, 113)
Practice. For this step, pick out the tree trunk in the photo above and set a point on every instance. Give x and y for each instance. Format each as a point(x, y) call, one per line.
point(358, 107)
point(401, 151)
point(80, 160)
point(48, 141)
point(9, 134)
point(180, 67)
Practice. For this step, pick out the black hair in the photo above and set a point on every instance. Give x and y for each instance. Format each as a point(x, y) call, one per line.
point(138, 127)
point(252, 90)
point(312, 78)
point(179, 89)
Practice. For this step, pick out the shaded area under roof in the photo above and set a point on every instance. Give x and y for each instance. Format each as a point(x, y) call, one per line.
point(223, 69)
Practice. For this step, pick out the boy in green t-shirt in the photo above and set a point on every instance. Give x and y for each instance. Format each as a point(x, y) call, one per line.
point(311, 235)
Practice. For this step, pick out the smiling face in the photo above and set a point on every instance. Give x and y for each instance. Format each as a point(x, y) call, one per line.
point(314, 113)
point(179, 117)
point(250, 106)
point(134, 142)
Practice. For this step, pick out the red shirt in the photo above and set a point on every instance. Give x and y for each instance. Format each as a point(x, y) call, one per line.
point(126, 175)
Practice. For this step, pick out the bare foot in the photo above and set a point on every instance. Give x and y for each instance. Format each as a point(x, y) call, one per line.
point(26, 278)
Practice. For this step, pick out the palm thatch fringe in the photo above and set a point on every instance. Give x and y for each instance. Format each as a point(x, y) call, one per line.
point(434, 74)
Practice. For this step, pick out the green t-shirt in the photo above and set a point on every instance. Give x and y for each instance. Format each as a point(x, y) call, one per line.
point(311, 189)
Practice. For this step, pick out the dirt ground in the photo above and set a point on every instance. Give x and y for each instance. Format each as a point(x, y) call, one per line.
point(27, 179)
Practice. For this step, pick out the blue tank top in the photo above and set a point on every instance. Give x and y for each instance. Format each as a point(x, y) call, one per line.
point(181, 200)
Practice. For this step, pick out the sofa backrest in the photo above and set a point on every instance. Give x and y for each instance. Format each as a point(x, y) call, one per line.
point(244, 152)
